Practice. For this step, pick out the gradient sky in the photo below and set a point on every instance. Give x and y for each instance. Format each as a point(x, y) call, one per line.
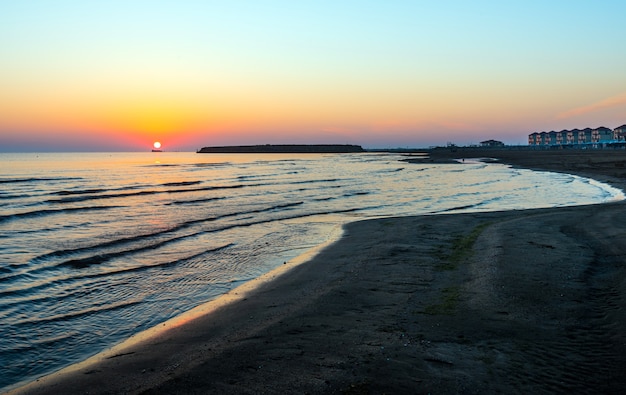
point(105, 75)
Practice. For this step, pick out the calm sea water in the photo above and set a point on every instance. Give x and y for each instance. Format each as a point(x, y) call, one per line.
point(97, 247)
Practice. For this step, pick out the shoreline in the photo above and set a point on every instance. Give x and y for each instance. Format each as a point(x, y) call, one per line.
point(154, 334)
point(605, 165)
point(439, 303)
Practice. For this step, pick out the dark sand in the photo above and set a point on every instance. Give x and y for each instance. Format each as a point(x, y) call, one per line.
point(527, 301)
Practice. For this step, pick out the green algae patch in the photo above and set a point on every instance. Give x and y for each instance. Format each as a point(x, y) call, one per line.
point(461, 248)
point(449, 300)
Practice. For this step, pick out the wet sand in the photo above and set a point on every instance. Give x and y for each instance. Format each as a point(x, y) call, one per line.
point(521, 301)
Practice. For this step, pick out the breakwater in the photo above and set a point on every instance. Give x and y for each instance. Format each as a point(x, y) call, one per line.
point(284, 149)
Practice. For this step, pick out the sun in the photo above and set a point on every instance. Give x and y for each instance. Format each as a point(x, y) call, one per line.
point(156, 145)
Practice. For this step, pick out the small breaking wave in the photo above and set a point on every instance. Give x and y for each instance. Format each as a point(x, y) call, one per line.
point(181, 183)
point(36, 180)
point(45, 212)
point(83, 198)
point(76, 314)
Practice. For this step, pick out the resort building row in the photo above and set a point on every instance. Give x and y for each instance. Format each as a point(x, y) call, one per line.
point(601, 135)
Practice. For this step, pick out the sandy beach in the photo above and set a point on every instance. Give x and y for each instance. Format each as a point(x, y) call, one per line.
point(528, 301)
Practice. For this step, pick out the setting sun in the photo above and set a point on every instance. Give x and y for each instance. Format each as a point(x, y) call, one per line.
point(156, 145)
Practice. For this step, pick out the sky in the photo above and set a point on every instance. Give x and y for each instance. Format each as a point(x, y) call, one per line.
point(117, 75)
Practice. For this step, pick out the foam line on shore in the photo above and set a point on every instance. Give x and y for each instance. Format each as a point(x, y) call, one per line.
point(613, 192)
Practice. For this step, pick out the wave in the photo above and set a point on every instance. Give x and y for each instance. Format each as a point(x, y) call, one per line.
point(465, 207)
point(391, 170)
point(356, 193)
point(237, 213)
point(7, 196)
point(323, 199)
point(100, 258)
point(77, 314)
point(263, 192)
point(312, 181)
point(212, 164)
point(164, 264)
point(95, 197)
point(181, 183)
point(40, 342)
point(79, 192)
point(100, 194)
point(195, 201)
point(252, 176)
point(50, 281)
point(74, 199)
point(36, 179)
point(82, 263)
point(482, 183)
point(41, 213)
point(163, 165)
point(85, 262)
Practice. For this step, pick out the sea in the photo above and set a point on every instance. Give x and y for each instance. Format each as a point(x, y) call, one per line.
point(96, 247)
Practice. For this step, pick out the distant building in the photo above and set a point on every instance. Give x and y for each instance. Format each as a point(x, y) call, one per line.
point(619, 133)
point(491, 143)
point(559, 138)
point(575, 137)
point(601, 135)
point(584, 136)
point(553, 138)
point(570, 136)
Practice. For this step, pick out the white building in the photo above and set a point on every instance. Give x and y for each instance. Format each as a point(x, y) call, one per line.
point(572, 138)
point(601, 135)
point(584, 136)
point(619, 133)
